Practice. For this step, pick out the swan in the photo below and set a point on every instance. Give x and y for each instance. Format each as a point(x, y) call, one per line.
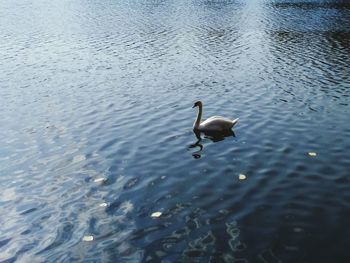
point(215, 124)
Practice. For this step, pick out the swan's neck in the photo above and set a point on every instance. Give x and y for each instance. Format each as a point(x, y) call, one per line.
point(198, 119)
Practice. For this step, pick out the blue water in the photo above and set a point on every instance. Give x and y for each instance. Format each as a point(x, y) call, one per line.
point(96, 124)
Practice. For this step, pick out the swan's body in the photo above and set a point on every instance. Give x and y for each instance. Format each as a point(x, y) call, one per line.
point(212, 124)
point(217, 123)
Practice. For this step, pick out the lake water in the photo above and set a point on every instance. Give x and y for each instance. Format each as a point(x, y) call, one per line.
point(96, 124)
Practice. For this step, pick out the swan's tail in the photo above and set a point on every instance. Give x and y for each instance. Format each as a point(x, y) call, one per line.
point(234, 122)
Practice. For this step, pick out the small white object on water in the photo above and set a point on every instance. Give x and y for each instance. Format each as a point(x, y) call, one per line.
point(297, 229)
point(88, 238)
point(103, 205)
point(312, 154)
point(100, 180)
point(156, 214)
point(242, 177)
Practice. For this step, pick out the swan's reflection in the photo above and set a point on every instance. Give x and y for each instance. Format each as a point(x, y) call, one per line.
point(213, 136)
point(197, 154)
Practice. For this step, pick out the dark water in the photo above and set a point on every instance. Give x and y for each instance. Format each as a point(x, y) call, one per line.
point(103, 89)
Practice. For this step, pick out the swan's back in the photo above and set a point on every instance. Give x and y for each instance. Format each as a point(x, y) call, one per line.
point(217, 123)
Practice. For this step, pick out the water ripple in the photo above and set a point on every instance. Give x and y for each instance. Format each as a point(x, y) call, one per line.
point(96, 126)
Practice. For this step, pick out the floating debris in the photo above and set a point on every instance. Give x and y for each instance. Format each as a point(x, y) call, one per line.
point(297, 229)
point(103, 205)
point(313, 154)
point(162, 177)
point(100, 180)
point(88, 238)
point(242, 177)
point(156, 214)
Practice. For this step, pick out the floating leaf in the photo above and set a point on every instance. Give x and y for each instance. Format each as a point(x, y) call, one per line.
point(242, 177)
point(156, 214)
point(100, 180)
point(297, 229)
point(313, 154)
point(88, 238)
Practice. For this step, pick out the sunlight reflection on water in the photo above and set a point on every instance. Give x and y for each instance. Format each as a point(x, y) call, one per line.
point(97, 131)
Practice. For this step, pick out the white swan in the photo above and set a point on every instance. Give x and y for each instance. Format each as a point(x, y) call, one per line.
point(212, 124)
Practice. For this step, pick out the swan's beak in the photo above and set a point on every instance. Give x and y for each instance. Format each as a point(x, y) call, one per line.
point(194, 106)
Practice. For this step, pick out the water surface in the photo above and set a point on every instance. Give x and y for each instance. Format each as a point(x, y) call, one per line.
point(95, 100)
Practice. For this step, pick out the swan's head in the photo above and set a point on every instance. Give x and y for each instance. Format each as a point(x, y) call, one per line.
point(197, 104)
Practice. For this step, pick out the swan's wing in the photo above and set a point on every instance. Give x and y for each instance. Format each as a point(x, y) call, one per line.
point(235, 121)
point(217, 117)
point(216, 123)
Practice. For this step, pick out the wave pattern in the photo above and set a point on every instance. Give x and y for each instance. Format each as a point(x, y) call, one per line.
point(95, 99)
